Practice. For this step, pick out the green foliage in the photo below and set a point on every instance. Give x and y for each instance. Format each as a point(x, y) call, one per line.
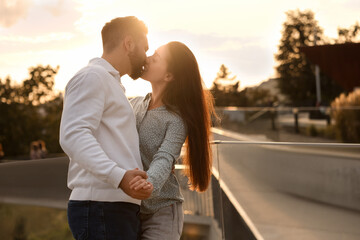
point(33, 91)
point(347, 120)
point(225, 88)
point(19, 229)
point(224, 74)
point(30, 111)
point(329, 132)
point(312, 131)
point(33, 223)
point(51, 124)
point(348, 35)
point(256, 97)
point(296, 74)
point(226, 92)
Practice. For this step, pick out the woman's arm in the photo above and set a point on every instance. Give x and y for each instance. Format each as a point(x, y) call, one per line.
point(164, 160)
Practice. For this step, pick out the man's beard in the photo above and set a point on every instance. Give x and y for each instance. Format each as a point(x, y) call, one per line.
point(137, 64)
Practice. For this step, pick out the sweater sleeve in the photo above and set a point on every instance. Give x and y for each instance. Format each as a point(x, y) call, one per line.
point(164, 159)
point(83, 108)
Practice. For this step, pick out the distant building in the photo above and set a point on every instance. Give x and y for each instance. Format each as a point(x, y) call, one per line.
point(341, 62)
point(272, 86)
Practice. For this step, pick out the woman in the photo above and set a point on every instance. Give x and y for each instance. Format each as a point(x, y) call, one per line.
point(177, 111)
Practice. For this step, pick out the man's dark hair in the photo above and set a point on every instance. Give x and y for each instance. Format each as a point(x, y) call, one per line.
point(115, 31)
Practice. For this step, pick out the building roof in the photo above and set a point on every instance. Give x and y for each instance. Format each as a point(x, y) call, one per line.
point(341, 62)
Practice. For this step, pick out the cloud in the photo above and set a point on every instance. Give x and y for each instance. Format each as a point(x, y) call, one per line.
point(209, 42)
point(55, 36)
point(11, 11)
point(250, 58)
point(40, 20)
point(352, 4)
point(56, 8)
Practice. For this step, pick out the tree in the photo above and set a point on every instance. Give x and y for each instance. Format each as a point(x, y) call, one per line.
point(347, 121)
point(349, 35)
point(8, 92)
point(39, 87)
point(51, 123)
point(226, 92)
point(257, 97)
point(296, 74)
point(33, 91)
point(224, 74)
point(29, 111)
point(225, 89)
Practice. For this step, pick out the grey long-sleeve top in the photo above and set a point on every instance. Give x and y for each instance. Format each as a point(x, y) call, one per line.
point(161, 134)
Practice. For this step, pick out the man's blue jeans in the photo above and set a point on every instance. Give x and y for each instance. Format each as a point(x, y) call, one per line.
point(92, 220)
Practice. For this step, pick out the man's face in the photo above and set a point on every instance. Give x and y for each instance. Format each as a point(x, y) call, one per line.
point(138, 58)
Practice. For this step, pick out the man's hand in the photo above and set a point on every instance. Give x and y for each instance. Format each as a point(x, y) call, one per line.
point(125, 185)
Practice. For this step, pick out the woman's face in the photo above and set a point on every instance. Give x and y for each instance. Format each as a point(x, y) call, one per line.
point(156, 66)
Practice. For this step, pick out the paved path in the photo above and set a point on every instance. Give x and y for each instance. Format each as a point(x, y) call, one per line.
point(35, 182)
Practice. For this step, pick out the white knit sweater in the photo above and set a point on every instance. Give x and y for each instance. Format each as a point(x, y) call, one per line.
point(98, 133)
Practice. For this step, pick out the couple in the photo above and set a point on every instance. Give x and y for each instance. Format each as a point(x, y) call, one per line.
point(121, 152)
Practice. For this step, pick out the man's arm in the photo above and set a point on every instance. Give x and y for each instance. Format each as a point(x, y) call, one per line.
point(83, 108)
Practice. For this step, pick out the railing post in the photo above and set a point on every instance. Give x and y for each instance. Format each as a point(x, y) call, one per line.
point(220, 192)
point(296, 119)
point(328, 116)
point(272, 116)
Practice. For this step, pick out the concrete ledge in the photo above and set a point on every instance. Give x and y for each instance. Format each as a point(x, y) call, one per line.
point(323, 174)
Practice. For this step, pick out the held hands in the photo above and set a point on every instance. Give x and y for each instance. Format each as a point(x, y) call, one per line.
point(132, 176)
point(138, 184)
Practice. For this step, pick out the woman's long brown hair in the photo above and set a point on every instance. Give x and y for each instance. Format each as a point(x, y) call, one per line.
point(186, 95)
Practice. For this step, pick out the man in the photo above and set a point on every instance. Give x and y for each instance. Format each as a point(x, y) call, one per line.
point(98, 133)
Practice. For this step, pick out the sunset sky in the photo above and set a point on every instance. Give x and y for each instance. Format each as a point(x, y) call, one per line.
point(243, 35)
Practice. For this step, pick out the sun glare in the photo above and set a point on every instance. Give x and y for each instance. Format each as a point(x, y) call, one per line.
point(242, 35)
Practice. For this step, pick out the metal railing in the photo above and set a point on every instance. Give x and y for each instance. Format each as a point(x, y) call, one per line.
point(199, 204)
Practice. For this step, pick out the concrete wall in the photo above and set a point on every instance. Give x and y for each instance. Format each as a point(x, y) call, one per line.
point(327, 175)
point(321, 177)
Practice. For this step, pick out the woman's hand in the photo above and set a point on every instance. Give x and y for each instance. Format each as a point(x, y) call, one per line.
point(138, 183)
point(141, 194)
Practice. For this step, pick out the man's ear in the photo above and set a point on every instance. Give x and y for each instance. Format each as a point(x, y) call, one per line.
point(169, 77)
point(129, 44)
